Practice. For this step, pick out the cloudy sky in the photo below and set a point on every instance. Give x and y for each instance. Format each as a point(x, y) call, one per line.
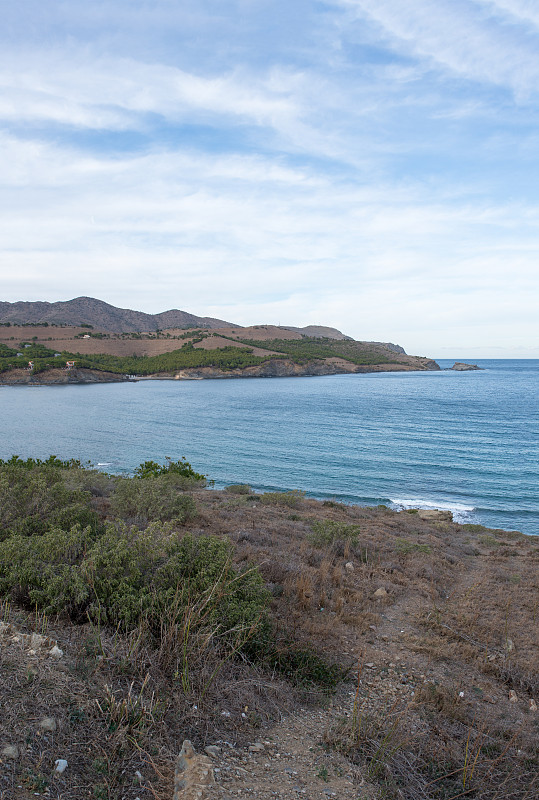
point(367, 164)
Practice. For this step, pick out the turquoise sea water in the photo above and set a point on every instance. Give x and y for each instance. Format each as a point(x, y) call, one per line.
point(464, 441)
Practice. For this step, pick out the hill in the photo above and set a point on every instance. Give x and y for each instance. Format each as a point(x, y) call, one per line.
point(101, 315)
point(37, 339)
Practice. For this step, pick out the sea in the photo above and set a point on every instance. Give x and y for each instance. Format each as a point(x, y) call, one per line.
point(464, 441)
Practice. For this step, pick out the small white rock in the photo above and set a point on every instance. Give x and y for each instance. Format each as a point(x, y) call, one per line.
point(10, 751)
point(48, 724)
point(138, 776)
point(60, 765)
point(533, 705)
point(349, 567)
point(212, 750)
point(37, 641)
point(381, 592)
point(513, 696)
point(55, 652)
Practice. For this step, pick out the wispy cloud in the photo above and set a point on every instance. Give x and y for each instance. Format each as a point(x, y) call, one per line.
point(462, 37)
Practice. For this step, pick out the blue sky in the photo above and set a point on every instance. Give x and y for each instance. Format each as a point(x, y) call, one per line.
point(367, 164)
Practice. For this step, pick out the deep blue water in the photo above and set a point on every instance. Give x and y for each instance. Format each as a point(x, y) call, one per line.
point(465, 441)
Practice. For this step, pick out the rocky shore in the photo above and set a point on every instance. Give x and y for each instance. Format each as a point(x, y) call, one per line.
point(273, 368)
point(58, 377)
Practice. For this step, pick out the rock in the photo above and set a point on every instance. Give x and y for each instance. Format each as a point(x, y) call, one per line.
point(192, 774)
point(349, 567)
point(381, 592)
point(212, 750)
point(60, 765)
point(257, 747)
point(461, 366)
point(10, 751)
point(533, 705)
point(434, 515)
point(513, 696)
point(55, 652)
point(37, 641)
point(48, 724)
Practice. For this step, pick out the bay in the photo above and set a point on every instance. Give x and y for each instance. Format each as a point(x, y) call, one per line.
point(467, 441)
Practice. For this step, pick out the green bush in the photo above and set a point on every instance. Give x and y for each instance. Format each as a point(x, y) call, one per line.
point(328, 531)
point(404, 546)
point(181, 469)
point(143, 500)
point(238, 488)
point(34, 497)
point(123, 576)
point(299, 664)
point(45, 572)
point(291, 499)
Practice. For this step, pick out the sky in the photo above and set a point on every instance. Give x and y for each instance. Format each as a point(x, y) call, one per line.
point(371, 165)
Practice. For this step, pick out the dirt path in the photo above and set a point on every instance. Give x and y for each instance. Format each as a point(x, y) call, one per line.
point(290, 761)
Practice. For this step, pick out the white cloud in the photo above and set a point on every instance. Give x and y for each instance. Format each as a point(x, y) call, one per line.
point(104, 91)
point(460, 37)
point(524, 10)
point(250, 240)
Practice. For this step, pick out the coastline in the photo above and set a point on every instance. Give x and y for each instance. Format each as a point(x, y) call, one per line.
point(273, 368)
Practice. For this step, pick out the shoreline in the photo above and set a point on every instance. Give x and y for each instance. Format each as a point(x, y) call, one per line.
point(274, 368)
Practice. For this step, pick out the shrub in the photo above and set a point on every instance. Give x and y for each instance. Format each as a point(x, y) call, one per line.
point(34, 497)
point(299, 664)
point(291, 499)
point(46, 571)
point(181, 468)
point(122, 576)
point(327, 531)
point(149, 499)
point(238, 488)
point(404, 546)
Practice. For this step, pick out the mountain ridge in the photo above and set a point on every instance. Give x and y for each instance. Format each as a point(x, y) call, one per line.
point(91, 311)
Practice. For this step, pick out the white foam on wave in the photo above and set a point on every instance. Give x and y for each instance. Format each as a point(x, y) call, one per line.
point(104, 463)
point(460, 512)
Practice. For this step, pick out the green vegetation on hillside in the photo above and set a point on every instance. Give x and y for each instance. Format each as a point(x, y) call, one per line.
point(226, 358)
point(300, 351)
point(309, 347)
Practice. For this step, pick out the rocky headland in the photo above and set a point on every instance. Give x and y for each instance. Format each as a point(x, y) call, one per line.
point(88, 341)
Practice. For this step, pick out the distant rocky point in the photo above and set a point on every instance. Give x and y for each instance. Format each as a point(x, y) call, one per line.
point(460, 366)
